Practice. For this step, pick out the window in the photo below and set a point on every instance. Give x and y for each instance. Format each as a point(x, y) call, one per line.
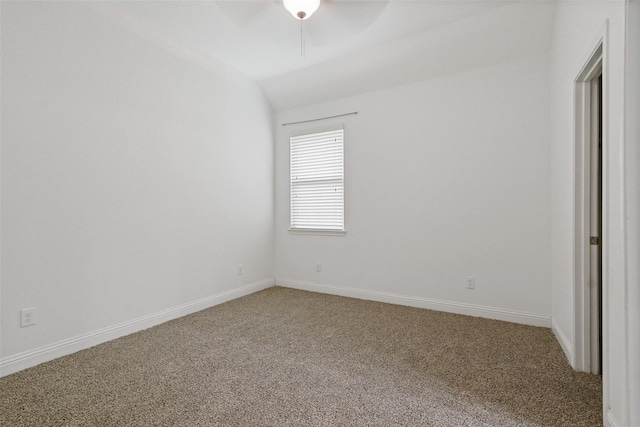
point(317, 181)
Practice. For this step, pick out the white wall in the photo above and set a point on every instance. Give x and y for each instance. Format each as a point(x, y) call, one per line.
point(133, 181)
point(578, 26)
point(445, 178)
point(633, 203)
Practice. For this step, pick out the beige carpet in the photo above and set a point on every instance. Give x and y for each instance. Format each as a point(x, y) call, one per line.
point(284, 357)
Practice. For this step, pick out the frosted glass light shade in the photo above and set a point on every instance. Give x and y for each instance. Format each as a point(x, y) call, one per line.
point(301, 9)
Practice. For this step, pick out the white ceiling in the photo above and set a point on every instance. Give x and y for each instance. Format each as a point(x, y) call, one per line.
point(350, 46)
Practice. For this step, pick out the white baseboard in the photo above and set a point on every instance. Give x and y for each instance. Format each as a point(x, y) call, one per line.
point(610, 420)
point(428, 303)
point(564, 342)
point(27, 359)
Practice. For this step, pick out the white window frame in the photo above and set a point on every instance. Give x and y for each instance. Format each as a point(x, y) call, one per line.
point(315, 230)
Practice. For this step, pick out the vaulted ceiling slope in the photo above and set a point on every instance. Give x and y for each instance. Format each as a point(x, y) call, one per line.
point(503, 34)
point(351, 47)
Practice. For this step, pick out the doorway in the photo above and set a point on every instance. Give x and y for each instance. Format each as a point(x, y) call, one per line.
point(589, 231)
point(595, 235)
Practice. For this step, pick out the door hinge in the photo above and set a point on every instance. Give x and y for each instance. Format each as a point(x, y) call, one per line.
point(595, 240)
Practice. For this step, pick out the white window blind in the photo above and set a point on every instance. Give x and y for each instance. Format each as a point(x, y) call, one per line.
point(317, 181)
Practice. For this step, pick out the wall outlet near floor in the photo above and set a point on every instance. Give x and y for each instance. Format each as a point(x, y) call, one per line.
point(239, 269)
point(318, 267)
point(471, 282)
point(27, 317)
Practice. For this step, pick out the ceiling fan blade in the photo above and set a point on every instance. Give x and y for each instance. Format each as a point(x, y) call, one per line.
point(339, 19)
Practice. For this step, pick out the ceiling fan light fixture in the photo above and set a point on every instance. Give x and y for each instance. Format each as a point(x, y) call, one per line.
point(301, 9)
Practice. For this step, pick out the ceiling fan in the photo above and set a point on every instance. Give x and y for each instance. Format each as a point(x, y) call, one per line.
point(301, 9)
point(322, 22)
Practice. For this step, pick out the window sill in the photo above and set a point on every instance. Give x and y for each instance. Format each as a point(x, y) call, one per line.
point(318, 232)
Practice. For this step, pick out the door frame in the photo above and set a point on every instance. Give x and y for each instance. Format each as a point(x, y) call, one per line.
point(593, 66)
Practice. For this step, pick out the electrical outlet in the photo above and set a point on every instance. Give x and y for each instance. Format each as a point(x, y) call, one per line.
point(239, 269)
point(318, 267)
point(471, 282)
point(27, 317)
